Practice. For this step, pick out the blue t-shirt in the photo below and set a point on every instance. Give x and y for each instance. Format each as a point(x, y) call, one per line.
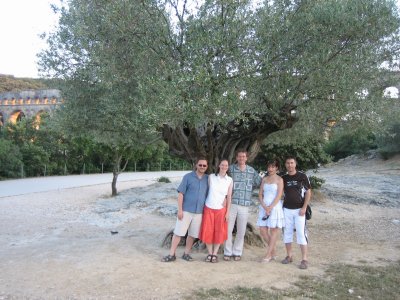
point(194, 192)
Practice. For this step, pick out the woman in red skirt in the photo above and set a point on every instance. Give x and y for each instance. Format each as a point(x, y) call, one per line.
point(214, 226)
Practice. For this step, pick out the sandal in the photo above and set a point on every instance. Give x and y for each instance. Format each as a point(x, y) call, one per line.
point(168, 258)
point(227, 258)
point(287, 260)
point(187, 257)
point(303, 265)
point(237, 258)
point(214, 259)
point(266, 259)
point(209, 258)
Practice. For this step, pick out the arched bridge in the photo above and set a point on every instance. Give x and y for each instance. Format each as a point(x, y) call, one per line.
point(32, 103)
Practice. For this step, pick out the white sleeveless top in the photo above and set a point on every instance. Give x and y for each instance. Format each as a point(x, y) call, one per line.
point(217, 190)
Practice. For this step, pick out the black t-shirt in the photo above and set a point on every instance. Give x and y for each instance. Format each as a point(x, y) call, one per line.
point(294, 187)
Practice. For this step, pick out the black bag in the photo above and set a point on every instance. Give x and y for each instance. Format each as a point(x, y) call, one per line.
point(308, 212)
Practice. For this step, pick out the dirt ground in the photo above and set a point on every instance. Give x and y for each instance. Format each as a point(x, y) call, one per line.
point(59, 244)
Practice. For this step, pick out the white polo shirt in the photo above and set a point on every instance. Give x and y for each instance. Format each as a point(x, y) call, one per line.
point(217, 190)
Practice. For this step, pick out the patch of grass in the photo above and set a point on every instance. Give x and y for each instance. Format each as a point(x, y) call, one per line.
point(164, 179)
point(339, 282)
point(351, 282)
point(238, 293)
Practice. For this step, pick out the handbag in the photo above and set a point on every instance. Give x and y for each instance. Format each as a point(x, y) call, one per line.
point(308, 212)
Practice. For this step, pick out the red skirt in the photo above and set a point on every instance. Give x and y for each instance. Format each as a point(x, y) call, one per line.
point(214, 228)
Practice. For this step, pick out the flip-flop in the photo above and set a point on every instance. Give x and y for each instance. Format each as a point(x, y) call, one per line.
point(208, 258)
point(214, 259)
point(227, 258)
point(237, 258)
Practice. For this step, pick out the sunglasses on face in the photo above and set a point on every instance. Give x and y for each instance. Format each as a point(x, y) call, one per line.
point(202, 166)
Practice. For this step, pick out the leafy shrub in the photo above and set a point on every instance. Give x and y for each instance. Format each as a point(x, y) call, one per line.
point(10, 160)
point(309, 153)
point(316, 182)
point(389, 142)
point(348, 143)
point(164, 179)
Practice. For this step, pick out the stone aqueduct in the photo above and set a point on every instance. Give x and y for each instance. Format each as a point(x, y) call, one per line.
point(32, 103)
point(16, 105)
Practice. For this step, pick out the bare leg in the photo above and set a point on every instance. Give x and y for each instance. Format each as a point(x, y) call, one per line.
point(210, 248)
point(272, 243)
point(288, 249)
point(216, 248)
point(174, 244)
point(304, 251)
point(265, 235)
point(189, 244)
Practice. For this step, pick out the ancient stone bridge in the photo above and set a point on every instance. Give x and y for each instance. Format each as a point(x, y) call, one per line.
point(32, 103)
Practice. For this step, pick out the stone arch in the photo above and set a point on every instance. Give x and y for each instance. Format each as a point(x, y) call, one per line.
point(16, 116)
point(38, 117)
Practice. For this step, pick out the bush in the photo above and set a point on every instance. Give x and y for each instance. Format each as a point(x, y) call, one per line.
point(348, 143)
point(316, 182)
point(309, 153)
point(389, 142)
point(164, 179)
point(10, 160)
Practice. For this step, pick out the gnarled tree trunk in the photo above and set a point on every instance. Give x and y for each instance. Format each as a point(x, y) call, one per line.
point(216, 142)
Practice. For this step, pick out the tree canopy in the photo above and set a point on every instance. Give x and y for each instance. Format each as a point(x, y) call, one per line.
point(218, 75)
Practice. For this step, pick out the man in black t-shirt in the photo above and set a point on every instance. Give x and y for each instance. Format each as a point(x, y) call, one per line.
point(297, 189)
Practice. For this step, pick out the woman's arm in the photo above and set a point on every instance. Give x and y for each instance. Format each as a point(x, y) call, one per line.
point(278, 195)
point(261, 194)
point(228, 201)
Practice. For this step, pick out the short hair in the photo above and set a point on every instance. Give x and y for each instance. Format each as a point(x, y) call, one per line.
point(241, 150)
point(291, 157)
point(274, 163)
point(200, 158)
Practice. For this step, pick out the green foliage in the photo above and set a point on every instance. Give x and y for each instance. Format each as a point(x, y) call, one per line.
point(133, 69)
point(10, 159)
point(48, 150)
point(164, 179)
point(308, 151)
point(9, 83)
point(347, 142)
point(35, 159)
point(389, 141)
point(316, 182)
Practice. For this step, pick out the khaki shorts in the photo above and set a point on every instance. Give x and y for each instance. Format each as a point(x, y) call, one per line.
point(190, 223)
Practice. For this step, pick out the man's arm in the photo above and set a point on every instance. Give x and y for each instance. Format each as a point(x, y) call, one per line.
point(307, 197)
point(180, 206)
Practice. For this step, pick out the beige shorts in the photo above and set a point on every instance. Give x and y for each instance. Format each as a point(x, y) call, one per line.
point(190, 223)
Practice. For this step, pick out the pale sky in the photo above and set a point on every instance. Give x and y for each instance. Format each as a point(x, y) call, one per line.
point(21, 23)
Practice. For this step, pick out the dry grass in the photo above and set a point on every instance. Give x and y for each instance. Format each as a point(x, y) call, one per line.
point(339, 282)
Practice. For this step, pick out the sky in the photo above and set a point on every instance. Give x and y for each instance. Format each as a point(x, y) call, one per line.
point(21, 23)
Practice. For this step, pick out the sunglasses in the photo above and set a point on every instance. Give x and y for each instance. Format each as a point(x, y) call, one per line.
point(203, 166)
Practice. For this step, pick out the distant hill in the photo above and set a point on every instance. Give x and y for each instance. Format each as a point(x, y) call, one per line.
point(9, 83)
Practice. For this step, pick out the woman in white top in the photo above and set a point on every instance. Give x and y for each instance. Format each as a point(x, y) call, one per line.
point(214, 227)
point(270, 216)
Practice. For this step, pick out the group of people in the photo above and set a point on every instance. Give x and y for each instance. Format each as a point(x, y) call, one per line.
point(209, 207)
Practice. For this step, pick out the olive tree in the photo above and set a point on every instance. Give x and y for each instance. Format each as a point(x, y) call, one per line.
point(217, 75)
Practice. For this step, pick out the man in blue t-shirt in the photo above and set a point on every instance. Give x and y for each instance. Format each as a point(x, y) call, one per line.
point(192, 194)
